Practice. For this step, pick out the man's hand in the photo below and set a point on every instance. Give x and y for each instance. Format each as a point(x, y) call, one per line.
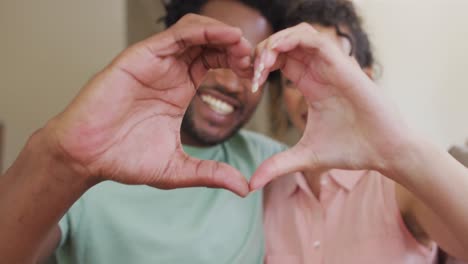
point(124, 125)
point(350, 125)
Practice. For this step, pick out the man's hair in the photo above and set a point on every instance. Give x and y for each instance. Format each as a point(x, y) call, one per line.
point(273, 10)
point(341, 15)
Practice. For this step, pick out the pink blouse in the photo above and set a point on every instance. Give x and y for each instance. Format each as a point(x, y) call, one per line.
point(355, 220)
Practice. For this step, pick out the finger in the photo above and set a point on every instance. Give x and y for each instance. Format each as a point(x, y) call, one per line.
point(290, 161)
point(215, 174)
point(211, 45)
point(302, 36)
point(305, 38)
point(190, 172)
point(214, 59)
point(269, 59)
point(273, 40)
point(307, 49)
point(193, 30)
point(263, 65)
point(290, 46)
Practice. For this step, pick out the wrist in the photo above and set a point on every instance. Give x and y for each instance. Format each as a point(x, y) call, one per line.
point(43, 153)
point(35, 192)
point(410, 160)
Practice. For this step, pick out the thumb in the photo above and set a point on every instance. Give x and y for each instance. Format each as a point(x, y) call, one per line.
point(287, 162)
point(190, 172)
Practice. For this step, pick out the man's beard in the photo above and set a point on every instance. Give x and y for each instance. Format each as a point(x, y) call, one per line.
point(189, 128)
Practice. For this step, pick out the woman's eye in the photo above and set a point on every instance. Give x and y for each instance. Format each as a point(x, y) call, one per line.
point(288, 82)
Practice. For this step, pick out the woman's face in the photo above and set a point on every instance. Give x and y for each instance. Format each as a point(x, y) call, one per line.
point(296, 106)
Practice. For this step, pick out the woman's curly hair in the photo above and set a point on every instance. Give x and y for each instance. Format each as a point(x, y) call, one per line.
point(339, 14)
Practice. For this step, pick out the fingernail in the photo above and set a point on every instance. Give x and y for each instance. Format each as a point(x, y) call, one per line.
point(261, 67)
point(258, 74)
point(255, 86)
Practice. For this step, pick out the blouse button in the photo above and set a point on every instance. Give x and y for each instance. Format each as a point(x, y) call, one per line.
point(317, 244)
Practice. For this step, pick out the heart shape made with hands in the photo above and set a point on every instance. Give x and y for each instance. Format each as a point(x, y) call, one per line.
point(350, 125)
point(134, 108)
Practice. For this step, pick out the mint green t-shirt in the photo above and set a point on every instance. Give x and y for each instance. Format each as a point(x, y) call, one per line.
point(115, 223)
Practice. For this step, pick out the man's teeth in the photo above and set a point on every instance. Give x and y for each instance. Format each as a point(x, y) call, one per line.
point(217, 105)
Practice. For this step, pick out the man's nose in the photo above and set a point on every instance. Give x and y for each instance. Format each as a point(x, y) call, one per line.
point(229, 80)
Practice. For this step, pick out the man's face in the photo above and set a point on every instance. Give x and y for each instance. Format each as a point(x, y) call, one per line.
point(224, 102)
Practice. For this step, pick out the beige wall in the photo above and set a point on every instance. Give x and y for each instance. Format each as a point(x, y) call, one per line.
point(143, 19)
point(48, 50)
point(423, 47)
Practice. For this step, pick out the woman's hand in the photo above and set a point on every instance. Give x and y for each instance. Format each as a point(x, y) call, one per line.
point(350, 124)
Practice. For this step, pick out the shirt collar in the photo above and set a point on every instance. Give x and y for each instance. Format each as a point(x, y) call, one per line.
point(346, 179)
point(301, 183)
point(291, 183)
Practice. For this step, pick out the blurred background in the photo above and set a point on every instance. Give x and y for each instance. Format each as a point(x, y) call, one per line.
point(50, 48)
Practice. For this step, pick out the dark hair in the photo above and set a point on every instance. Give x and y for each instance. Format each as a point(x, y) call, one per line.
point(338, 14)
point(273, 10)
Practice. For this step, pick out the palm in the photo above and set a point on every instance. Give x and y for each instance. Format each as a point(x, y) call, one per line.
point(338, 129)
point(125, 124)
point(152, 118)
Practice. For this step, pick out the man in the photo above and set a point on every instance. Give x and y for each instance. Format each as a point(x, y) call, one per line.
point(110, 134)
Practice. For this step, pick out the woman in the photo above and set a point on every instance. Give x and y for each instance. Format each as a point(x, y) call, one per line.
point(342, 209)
